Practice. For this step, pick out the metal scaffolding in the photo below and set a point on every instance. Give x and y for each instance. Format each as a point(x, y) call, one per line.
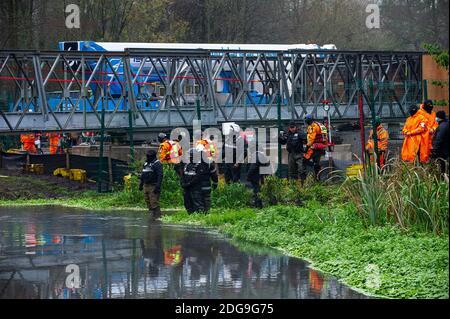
point(67, 91)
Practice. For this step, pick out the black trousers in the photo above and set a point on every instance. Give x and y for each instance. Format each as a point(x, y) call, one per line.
point(296, 166)
point(256, 188)
point(314, 161)
point(197, 199)
point(232, 173)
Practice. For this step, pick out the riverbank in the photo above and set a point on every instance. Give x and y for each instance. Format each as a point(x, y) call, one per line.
point(325, 229)
point(379, 261)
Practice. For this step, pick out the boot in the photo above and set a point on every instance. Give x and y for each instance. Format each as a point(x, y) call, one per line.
point(157, 213)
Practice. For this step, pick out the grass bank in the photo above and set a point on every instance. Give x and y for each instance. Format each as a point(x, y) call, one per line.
point(43, 191)
point(377, 260)
point(383, 244)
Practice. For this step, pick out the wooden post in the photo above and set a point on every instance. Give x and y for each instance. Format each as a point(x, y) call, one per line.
point(110, 172)
point(67, 159)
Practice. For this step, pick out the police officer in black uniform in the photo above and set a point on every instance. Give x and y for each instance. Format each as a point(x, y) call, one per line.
point(256, 177)
point(196, 182)
point(150, 181)
point(232, 171)
point(294, 140)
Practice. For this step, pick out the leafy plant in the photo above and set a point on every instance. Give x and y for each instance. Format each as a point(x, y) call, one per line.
point(409, 196)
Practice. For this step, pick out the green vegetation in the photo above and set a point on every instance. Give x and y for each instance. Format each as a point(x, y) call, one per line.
point(412, 197)
point(335, 240)
point(394, 223)
point(439, 55)
point(28, 190)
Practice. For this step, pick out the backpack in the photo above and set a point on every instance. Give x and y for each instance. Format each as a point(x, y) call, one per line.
point(148, 172)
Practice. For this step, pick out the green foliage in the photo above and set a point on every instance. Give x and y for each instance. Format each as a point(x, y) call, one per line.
point(439, 55)
point(409, 196)
point(171, 192)
point(334, 239)
point(278, 191)
point(7, 142)
point(231, 196)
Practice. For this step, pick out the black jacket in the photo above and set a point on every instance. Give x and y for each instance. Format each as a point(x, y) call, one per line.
point(254, 174)
point(152, 174)
point(294, 141)
point(440, 141)
point(199, 176)
point(230, 147)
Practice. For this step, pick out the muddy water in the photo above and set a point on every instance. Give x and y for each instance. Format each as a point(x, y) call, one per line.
point(51, 253)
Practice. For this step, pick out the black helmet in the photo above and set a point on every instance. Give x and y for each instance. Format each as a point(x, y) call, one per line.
point(428, 106)
point(151, 155)
point(413, 108)
point(162, 137)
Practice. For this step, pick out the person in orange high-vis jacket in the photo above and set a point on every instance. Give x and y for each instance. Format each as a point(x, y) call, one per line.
point(27, 141)
point(170, 152)
point(383, 140)
point(316, 143)
point(415, 125)
point(53, 141)
point(426, 110)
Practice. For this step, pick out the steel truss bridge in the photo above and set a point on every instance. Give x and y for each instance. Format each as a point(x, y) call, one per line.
point(69, 91)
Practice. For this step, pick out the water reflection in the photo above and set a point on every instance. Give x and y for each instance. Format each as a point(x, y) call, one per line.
point(128, 256)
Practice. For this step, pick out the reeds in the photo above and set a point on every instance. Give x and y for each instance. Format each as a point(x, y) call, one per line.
point(409, 195)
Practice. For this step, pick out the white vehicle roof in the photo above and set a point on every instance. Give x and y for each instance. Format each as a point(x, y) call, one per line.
point(121, 46)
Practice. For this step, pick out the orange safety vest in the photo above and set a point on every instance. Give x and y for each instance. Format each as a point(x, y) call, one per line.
point(317, 138)
point(173, 256)
point(414, 127)
point(427, 135)
point(170, 152)
point(54, 140)
point(383, 140)
point(209, 148)
point(315, 281)
point(28, 143)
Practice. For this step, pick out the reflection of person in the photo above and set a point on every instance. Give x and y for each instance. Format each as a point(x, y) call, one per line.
point(315, 281)
point(152, 250)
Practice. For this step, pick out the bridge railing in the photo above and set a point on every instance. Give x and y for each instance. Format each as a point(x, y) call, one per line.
point(68, 90)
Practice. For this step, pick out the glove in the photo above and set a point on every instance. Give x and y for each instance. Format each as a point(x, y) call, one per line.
point(157, 191)
point(214, 186)
point(141, 187)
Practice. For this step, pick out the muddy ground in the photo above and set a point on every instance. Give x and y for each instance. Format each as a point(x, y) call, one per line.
point(18, 185)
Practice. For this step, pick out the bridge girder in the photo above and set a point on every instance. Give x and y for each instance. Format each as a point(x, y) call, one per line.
point(66, 91)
